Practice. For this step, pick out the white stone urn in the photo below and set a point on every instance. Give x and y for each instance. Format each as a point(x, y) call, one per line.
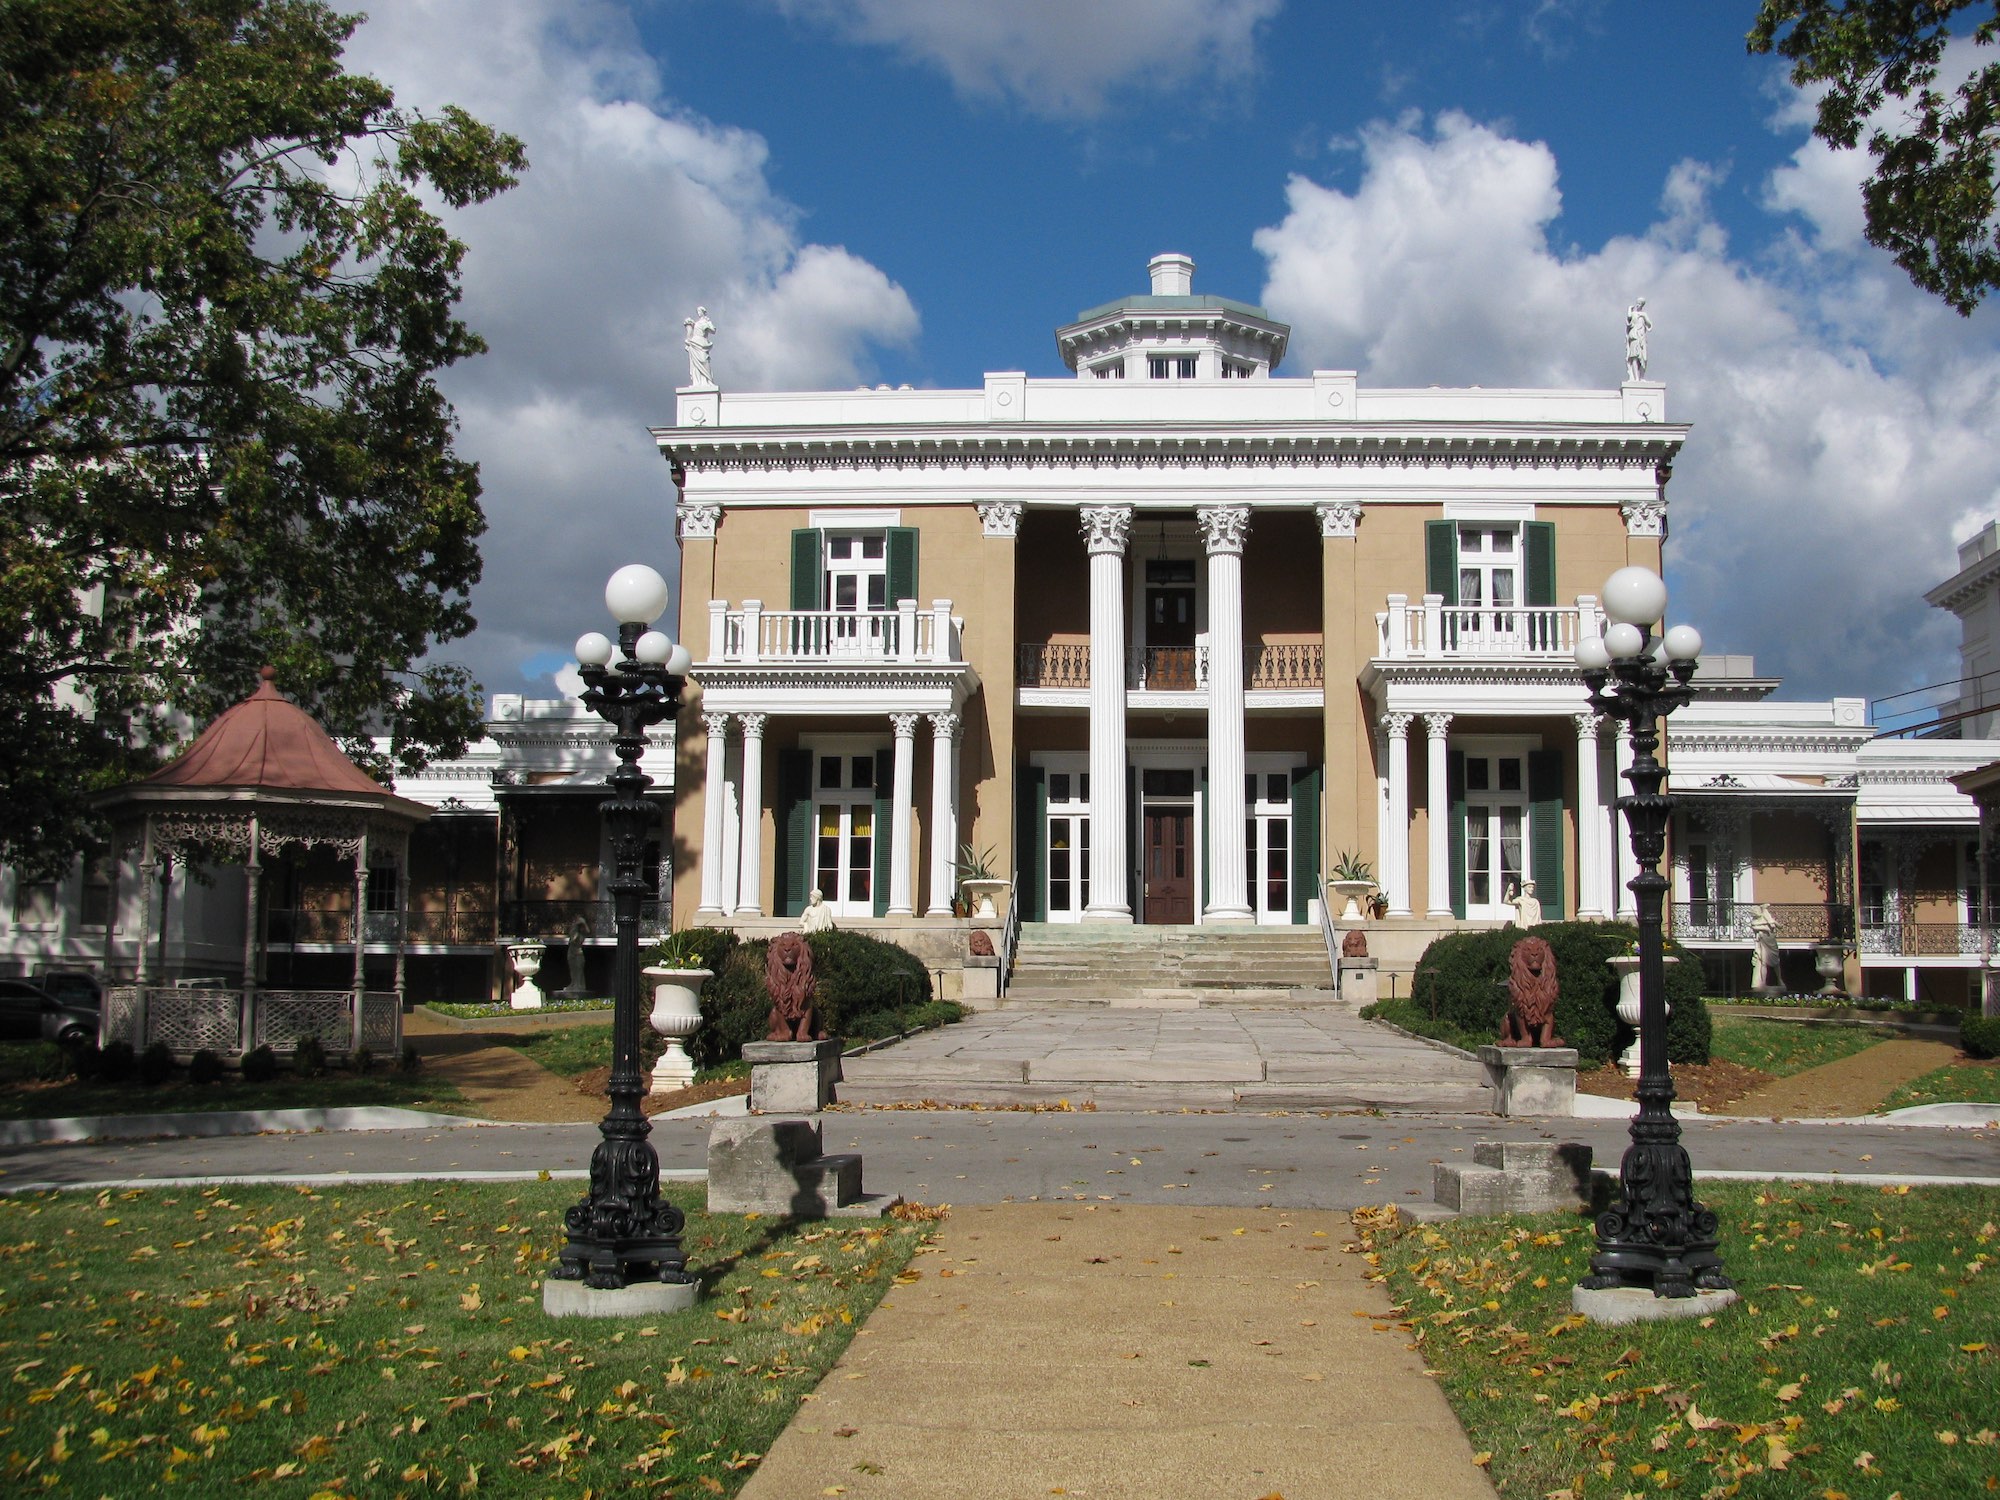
point(1353, 893)
point(676, 1015)
point(981, 893)
point(527, 961)
point(1626, 967)
point(1829, 961)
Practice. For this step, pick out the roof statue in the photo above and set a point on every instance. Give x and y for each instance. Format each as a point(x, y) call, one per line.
point(1636, 324)
point(699, 342)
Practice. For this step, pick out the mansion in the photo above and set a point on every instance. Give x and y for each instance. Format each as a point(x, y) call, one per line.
point(1164, 642)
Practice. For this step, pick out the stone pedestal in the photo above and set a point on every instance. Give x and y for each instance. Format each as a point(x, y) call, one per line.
point(1358, 981)
point(647, 1299)
point(1531, 1080)
point(1516, 1177)
point(776, 1167)
point(792, 1077)
point(980, 981)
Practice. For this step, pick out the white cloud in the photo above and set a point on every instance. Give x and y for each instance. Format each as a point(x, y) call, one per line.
point(1056, 57)
point(1842, 420)
point(632, 212)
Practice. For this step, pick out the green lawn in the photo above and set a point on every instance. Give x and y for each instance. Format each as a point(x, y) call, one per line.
point(23, 1097)
point(1861, 1361)
point(1963, 1081)
point(390, 1341)
point(1782, 1048)
point(572, 1051)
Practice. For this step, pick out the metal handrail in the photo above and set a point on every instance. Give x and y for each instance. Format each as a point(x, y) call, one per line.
point(1330, 934)
point(1010, 930)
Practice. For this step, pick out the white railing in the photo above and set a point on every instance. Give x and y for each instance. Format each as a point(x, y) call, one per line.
point(1431, 630)
point(752, 633)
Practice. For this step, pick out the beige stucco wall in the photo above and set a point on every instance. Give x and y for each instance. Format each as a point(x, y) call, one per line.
point(1788, 853)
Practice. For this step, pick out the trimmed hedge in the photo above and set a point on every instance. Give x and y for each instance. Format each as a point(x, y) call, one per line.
point(1462, 980)
point(866, 988)
point(1979, 1036)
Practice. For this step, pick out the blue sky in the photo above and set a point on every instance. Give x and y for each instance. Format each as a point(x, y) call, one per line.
point(1454, 192)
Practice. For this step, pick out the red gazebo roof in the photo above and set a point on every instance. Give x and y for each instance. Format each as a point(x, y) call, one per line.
point(267, 742)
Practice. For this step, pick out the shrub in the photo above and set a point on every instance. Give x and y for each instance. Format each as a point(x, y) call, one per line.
point(156, 1065)
point(1461, 980)
point(204, 1067)
point(260, 1065)
point(411, 1060)
point(116, 1061)
point(51, 1063)
point(858, 974)
point(735, 1006)
point(1979, 1035)
point(309, 1058)
point(85, 1061)
point(866, 988)
point(692, 948)
point(363, 1061)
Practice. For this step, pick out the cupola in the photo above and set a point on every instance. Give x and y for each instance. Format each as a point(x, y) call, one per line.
point(1172, 334)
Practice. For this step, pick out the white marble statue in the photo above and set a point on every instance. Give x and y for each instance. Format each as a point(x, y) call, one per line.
point(1764, 958)
point(1527, 906)
point(699, 341)
point(1636, 326)
point(818, 916)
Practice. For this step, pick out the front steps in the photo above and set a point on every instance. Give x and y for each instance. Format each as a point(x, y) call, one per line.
point(1167, 968)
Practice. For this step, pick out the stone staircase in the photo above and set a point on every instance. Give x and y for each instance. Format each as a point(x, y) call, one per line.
point(1058, 964)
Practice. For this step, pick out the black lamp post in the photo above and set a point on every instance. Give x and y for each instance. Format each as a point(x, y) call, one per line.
point(1655, 1236)
point(624, 1233)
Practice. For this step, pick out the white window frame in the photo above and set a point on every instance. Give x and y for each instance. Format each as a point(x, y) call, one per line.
point(1075, 812)
point(843, 799)
point(1263, 816)
point(1491, 801)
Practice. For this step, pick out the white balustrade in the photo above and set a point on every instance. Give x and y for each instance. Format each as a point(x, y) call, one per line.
point(1437, 631)
point(753, 634)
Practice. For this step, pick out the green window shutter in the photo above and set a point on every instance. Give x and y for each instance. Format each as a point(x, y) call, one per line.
point(1031, 831)
point(902, 550)
point(1454, 790)
point(793, 857)
point(1441, 559)
point(1305, 837)
point(1539, 542)
point(885, 770)
point(808, 565)
point(1545, 830)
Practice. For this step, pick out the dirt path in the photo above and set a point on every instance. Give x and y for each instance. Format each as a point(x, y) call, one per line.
point(1854, 1085)
point(499, 1082)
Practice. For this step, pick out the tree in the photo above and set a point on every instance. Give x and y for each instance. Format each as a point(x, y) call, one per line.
point(1930, 202)
point(223, 299)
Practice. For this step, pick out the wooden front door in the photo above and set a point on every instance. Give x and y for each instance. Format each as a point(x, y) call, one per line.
point(1170, 638)
point(1168, 896)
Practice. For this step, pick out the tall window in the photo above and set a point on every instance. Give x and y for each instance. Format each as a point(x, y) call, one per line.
point(844, 832)
point(1267, 844)
point(1069, 845)
point(1113, 371)
point(100, 887)
point(1489, 581)
point(1496, 822)
point(384, 888)
point(1711, 883)
point(1172, 366)
point(857, 571)
point(1969, 893)
point(1878, 893)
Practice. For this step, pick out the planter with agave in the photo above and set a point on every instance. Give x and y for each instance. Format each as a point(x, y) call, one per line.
point(976, 877)
point(673, 968)
point(1351, 880)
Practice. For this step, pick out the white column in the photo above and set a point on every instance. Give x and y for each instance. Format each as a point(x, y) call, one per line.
point(944, 811)
point(900, 802)
point(1589, 818)
point(1105, 529)
point(750, 863)
point(1438, 727)
point(1222, 528)
point(1393, 843)
point(1622, 868)
point(713, 804)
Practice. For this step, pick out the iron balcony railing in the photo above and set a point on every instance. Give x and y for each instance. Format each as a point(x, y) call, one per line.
point(1168, 669)
point(1927, 939)
point(459, 927)
point(548, 920)
point(1730, 921)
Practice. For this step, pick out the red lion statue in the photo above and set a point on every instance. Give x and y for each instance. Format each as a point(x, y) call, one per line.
point(1355, 944)
point(788, 975)
point(1531, 1015)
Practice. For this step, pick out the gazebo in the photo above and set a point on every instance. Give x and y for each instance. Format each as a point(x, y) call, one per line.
point(263, 776)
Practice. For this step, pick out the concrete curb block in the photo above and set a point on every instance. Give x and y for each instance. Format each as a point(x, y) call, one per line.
point(196, 1124)
point(330, 1179)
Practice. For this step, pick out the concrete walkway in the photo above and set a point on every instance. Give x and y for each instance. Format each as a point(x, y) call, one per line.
point(1322, 1057)
point(1128, 1353)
